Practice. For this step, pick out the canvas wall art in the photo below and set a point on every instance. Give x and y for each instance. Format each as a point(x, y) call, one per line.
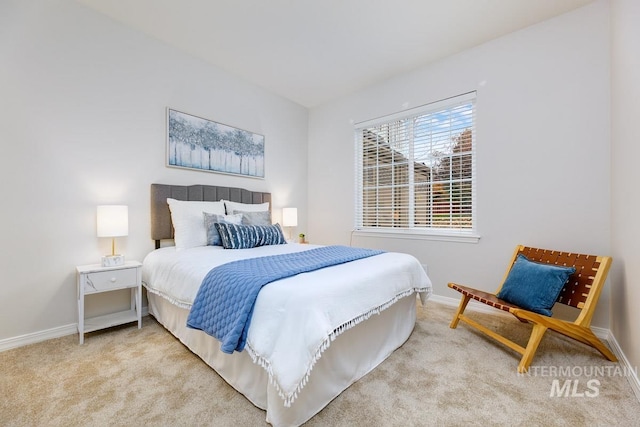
point(201, 144)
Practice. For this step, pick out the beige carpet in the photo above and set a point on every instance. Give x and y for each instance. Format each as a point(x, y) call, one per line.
point(441, 377)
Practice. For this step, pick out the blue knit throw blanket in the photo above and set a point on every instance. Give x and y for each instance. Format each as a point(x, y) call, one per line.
point(224, 304)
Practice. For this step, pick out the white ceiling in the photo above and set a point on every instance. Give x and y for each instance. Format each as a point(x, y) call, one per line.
point(312, 51)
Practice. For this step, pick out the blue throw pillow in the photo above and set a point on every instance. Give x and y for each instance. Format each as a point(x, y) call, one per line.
point(234, 236)
point(270, 235)
point(534, 286)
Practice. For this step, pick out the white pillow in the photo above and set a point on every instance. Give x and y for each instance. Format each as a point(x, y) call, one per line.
point(246, 207)
point(188, 221)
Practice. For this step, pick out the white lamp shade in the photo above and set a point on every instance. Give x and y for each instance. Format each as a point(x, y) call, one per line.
point(112, 221)
point(290, 217)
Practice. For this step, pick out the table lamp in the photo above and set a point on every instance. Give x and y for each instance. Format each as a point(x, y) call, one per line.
point(290, 218)
point(112, 221)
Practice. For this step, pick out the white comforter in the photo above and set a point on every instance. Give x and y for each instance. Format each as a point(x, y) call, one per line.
point(294, 319)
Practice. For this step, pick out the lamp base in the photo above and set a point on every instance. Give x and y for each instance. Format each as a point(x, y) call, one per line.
point(112, 260)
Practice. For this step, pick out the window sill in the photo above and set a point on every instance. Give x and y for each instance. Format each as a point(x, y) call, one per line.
point(443, 236)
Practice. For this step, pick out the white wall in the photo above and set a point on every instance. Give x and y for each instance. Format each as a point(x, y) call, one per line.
point(82, 115)
point(625, 109)
point(82, 120)
point(543, 160)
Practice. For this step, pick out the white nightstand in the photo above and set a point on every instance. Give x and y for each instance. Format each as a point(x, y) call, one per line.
point(94, 278)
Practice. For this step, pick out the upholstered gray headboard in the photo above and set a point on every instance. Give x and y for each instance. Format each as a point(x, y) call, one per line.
point(161, 227)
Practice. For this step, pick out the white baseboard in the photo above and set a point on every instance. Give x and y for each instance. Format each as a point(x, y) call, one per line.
point(602, 333)
point(22, 340)
point(622, 359)
point(35, 337)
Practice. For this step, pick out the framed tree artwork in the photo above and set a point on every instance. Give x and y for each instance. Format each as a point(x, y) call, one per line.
point(201, 144)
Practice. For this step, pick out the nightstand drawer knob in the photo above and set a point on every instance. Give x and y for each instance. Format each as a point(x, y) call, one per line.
point(113, 280)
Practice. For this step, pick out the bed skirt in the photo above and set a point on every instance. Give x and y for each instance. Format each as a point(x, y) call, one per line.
point(351, 355)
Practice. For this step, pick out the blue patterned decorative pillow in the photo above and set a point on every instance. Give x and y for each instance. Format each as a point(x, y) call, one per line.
point(234, 236)
point(213, 237)
point(534, 286)
point(270, 235)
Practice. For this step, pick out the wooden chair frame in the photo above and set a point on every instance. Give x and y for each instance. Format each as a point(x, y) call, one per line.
point(581, 291)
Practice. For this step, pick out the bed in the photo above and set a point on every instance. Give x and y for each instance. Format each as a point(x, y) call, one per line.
point(291, 381)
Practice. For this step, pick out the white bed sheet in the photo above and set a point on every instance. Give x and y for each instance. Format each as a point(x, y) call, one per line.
point(175, 275)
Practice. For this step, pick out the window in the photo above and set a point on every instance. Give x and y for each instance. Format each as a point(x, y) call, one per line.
point(415, 170)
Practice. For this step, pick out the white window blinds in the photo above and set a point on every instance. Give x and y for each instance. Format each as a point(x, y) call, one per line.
point(416, 169)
